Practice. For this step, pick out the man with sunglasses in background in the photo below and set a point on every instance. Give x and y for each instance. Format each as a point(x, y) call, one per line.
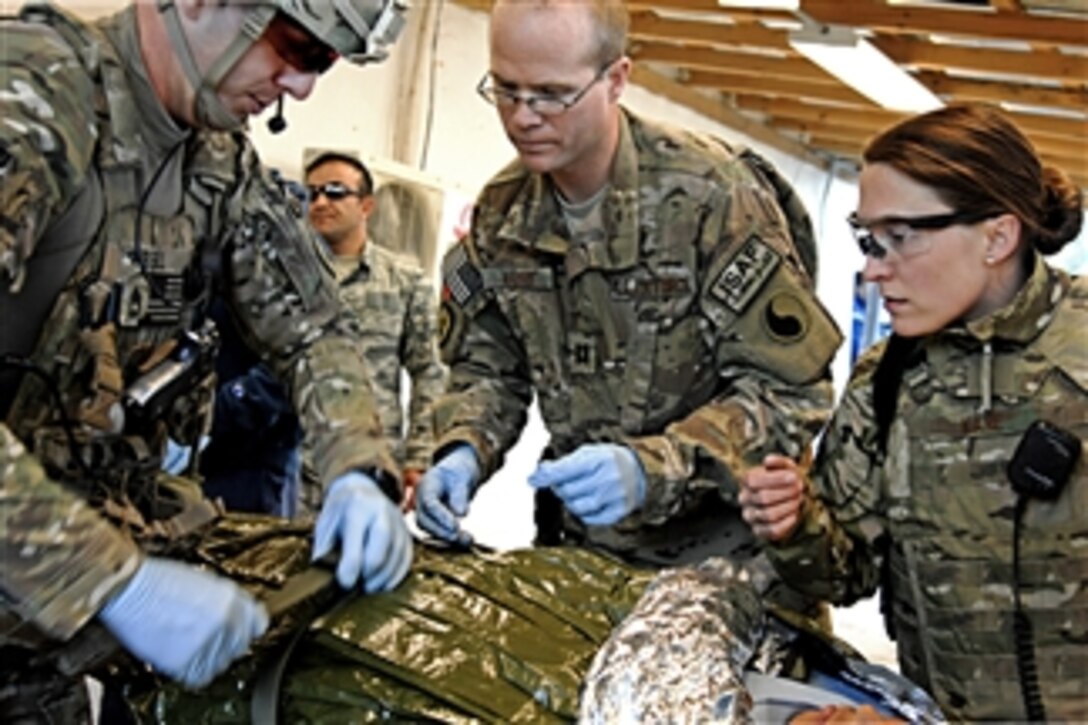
point(652, 287)
point(128, 190)
point(396, 306)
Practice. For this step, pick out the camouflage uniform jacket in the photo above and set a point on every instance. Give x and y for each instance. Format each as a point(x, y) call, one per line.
point(936, 515)
point(81, 122)
point(397, 309)
point(690, 333)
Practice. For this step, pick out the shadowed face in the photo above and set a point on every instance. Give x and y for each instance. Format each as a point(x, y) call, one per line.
point(284, 59)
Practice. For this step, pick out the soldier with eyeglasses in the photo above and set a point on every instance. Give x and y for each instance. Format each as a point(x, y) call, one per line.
point(651, 287)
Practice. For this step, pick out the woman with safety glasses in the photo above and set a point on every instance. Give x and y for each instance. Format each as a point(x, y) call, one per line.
point(952, 476)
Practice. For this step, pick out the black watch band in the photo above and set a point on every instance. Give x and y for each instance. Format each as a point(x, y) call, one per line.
point(386, 482)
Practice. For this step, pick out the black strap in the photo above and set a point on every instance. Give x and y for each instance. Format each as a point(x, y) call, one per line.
point(264, 703)
point(900, 353)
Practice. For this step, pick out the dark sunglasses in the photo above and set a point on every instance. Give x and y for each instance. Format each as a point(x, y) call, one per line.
point(297, 47)
point(333, 191)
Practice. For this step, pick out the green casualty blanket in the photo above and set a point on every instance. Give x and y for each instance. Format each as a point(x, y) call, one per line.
point(468, 636)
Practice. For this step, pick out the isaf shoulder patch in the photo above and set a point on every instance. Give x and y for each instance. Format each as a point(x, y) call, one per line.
point(745, 274)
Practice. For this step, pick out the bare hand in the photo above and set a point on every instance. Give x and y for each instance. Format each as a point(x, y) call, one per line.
point(771, 497)
point(410, 477)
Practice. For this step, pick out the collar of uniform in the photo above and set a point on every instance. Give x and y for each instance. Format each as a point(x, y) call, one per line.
point(352, 269)
point(1029, 312)
point(369, 255)
point(534, 219)
point(148, 123)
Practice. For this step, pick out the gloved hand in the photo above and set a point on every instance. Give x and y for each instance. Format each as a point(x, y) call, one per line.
point(442, 496)
point(374, 540)
point(600, 483)
point(177, 457)
point(185, 622)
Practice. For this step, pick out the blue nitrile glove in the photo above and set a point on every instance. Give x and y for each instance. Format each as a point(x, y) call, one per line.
point(600, 483)
point(185, 622)
point(443, 493)
point(374, 540)
point(177, 457)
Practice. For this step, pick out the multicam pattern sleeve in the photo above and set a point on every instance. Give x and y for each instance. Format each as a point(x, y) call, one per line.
point(285, 297)
point(61, 559)
point(687, 329)
point(771, 344)
point(47, 139)
point(425, 369)
point(489, 390)
point(836, 551)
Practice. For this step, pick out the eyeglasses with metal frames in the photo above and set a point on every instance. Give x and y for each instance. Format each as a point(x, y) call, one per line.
point(333, 191)
point(543, 104)
point(899, 237)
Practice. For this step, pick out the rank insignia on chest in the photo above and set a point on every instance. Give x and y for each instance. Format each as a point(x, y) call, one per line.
point(582, 353)
point(745, 274)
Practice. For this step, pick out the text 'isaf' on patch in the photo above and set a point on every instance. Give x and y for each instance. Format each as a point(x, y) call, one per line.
point(745, 274)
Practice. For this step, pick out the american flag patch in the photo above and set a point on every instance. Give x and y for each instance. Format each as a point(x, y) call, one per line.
point(460, 278)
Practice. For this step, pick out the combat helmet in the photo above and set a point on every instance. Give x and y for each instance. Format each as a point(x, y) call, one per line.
point(359, 30)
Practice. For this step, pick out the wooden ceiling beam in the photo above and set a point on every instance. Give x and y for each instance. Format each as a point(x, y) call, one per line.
point(838, 147)
point(1033, 124)
point(650, 26)
point(963, 89)
point(1069, 154)
point(697, 6)
point(479, 5)
point(822, 130)
point(1075, 155)
point(731, 61)
point(1041, 125)
point(872, 117)
point(1075, 166)
point(778, 87)
point(1066, 6)
point(718, 111)
point(971, 23)
point(707, 6)
point(1050, 64)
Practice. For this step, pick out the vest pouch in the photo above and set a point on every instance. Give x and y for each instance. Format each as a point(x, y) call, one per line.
point(955, 610)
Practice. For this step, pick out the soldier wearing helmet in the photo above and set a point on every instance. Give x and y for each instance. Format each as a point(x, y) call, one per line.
point(309, 35)
point(128, 191)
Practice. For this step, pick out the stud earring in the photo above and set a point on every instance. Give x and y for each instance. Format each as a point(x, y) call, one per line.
point(990, 261)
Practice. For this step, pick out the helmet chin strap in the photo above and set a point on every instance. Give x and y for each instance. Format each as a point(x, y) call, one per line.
point(208, 110)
